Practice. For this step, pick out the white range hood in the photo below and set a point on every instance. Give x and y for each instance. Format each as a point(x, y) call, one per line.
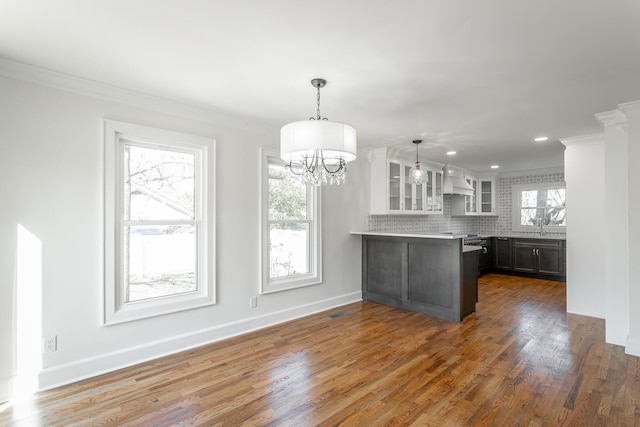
point(454, 181)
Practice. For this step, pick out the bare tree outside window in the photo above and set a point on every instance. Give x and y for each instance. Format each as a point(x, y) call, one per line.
point(540, 207)
point(159, 257)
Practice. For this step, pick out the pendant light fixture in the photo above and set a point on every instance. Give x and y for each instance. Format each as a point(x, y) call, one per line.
point(317, 149)
point(417, 174)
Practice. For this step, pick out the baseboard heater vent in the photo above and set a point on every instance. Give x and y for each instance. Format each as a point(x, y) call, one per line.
point(341, 314)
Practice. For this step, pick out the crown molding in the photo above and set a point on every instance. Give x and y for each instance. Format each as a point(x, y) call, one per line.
point(68, 83)
point(543, 171)
point(583, 140)
point(632, 108)
point(612, 118)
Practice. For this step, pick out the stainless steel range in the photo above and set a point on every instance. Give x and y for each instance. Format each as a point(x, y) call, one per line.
point(476, 240)
point(484, 260)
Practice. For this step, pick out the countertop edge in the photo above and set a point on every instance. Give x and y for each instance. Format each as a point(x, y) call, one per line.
point(450, 236)
point(418, 235)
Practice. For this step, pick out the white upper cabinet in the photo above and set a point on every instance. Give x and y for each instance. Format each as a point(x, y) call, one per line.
point(392, 191)
point(483, 200)
point(434, 196)
point(394, 186)
point(471, 202)
point(487, 196)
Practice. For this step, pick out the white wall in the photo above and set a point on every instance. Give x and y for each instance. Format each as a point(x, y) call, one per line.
point(616, 217)
point(584, 176)
point(632, 113)
point(51, 170)
point(615, 226)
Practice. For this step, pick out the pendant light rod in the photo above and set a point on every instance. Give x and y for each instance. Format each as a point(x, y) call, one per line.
point(417, 142)
point(318, 83)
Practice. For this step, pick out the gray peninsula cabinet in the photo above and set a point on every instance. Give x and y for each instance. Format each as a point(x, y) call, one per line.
point(434, 276)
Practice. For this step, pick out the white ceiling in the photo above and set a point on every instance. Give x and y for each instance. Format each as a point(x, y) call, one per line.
point(480, 77)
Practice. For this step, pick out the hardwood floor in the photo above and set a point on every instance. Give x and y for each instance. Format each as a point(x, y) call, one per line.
point(520, 360)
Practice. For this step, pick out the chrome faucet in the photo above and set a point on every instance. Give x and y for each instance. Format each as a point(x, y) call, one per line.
point(542, 230)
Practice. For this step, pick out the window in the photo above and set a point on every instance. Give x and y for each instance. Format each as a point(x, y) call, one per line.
point(539, 207)
point(159, 225)
point(290, 228)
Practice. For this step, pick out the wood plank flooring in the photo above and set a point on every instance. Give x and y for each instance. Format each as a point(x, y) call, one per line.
point(520, 360)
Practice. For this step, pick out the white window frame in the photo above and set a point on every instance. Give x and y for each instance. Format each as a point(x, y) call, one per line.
point(117, 133)
point(517, 205)
point(314, 276)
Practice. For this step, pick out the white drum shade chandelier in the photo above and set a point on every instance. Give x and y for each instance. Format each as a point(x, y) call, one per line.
point(317, 149)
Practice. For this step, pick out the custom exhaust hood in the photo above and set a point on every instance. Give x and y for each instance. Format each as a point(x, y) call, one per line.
point(454, 181)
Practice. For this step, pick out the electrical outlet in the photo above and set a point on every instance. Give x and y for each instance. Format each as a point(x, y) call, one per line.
point(50, 344)
point(253, 302)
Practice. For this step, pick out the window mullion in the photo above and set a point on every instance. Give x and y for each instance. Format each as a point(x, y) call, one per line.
point(132, 222)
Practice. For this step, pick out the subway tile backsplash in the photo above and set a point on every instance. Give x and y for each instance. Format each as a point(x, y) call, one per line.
point(489, 225)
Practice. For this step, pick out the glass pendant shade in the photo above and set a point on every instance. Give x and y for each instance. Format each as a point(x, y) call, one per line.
point(418, 175)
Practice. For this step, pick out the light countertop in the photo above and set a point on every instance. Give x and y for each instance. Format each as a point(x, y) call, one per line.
point(451, 236)
point(411, 234)
point(443, 236)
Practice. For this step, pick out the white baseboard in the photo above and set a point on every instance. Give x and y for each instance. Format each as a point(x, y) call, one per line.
point(6, 388)
point(632, 347)
point(91, 367)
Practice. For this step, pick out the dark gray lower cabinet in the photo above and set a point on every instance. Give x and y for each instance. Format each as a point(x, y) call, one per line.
point(539, 256)
point(533, 257)
point(430, 276)
point(502, 251)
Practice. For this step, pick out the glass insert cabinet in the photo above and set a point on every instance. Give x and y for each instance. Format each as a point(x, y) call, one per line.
point(392, 190)
point(403, 196)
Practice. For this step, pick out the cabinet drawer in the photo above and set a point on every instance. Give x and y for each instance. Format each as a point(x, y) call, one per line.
point(550, 243)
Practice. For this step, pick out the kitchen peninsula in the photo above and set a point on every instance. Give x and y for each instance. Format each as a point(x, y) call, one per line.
point(433, 274)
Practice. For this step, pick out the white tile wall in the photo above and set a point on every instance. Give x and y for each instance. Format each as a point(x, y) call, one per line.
point(490, 225)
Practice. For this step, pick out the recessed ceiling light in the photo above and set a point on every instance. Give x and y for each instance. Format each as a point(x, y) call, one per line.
point(495, 166)
point(450, 153)
point(541, 139)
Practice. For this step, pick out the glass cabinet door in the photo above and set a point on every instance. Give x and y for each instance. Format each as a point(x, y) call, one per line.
point(394, 186)
point(413, 193)
point(418, 198)
point(471, 201)
point(429, 187)
point(438, 192)
point(408, 190)
point(486, 192)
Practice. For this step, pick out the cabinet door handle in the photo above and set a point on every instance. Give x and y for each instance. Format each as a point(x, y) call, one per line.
point(534, 252)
